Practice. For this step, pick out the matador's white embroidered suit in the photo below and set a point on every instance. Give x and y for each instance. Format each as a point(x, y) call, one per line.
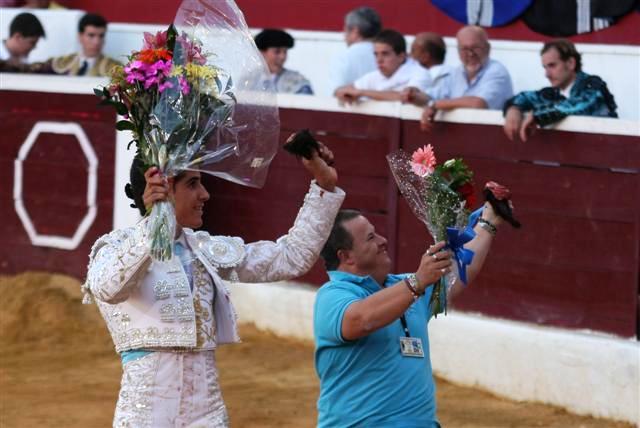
point(181, 312)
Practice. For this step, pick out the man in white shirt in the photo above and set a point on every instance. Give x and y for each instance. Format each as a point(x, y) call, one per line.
point(429, 50)
point(360, 27)
point(394, 72)
point(24, 32)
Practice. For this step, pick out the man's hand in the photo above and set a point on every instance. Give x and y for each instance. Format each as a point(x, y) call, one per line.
point(489, 214)
point(512, 122)
point(348, 94)
point(414, 96)
point(319, 165)
point(433, 265)
point(156, 189)
point(528, 127)
point(426, 121)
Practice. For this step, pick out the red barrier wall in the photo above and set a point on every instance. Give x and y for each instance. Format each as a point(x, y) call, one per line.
point(55, 179)
point(575, 262)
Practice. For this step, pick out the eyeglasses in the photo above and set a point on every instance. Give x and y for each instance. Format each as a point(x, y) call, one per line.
point(471, 49)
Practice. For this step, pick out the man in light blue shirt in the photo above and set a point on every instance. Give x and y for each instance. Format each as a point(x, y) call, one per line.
point(361, 25)
point(370, 327)
point(479, 82)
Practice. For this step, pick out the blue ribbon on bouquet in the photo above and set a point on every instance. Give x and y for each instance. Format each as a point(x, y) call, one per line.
point(456, 238)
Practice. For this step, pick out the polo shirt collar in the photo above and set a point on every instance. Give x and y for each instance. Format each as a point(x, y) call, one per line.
point(363, 281)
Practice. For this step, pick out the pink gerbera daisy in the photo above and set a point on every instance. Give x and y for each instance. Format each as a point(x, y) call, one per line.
point(423, 161)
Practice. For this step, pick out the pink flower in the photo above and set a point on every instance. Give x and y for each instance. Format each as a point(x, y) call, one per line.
point(150, 81)
point(184, 85)
point(164, 85)
point(135, 71)
point(423, 161)
point(192, 50)
point(155, 42)
point(420, 170)
point(162, 68)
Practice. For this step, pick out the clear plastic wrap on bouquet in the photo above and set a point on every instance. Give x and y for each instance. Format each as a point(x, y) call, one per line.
point(435, 204)
point(244, 144)
point(198, 97)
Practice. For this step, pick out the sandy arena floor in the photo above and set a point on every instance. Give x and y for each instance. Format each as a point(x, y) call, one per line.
point(58, 369)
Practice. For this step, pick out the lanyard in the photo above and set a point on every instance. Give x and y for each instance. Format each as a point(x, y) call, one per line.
point(403, 321)
point(405, 327)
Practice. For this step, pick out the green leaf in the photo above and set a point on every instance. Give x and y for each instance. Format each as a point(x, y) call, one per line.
point(125, 125)
point(99, 92)
point(121, 108)
point(172, 33)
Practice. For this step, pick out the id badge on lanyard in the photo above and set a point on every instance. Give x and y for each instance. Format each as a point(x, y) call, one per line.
point(410, 346)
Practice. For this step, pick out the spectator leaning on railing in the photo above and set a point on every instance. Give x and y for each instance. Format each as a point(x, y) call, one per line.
point(395, 70)
point(572, 92)
point(360, 27)
point(274, 44)
point(24, 32)
point(429, 50)
point(479, 82)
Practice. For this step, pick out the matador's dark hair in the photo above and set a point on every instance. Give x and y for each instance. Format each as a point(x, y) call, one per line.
point(135, 188)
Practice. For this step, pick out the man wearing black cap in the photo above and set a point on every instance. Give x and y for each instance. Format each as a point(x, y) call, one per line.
point(274, 44)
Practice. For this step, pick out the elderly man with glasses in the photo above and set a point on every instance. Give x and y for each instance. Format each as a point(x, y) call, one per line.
point(479, 82)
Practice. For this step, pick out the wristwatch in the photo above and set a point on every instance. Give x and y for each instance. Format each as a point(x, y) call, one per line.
point(432, 104)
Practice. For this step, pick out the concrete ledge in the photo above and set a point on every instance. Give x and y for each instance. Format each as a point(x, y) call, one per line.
point(585, 372)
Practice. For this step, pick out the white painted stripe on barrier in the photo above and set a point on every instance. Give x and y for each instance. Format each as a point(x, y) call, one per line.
point(585, 372)
point(54, 241)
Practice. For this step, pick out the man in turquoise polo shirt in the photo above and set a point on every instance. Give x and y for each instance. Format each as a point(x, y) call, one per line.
point(370, 327)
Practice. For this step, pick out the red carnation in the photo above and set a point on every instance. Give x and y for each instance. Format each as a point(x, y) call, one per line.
point(467, 193)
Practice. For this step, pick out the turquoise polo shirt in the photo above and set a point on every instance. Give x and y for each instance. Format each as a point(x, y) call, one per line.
point(368, 382)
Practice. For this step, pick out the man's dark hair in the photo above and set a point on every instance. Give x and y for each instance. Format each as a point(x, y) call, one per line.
point(93, 20)
point(565, 49)
point(339, 239)
point(273, 38)
point(436, 48)
point(365, 19)
point(393, 39)
point(27, 25)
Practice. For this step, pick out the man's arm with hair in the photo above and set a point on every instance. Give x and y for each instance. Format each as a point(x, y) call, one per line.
point(382, 308)
point(380, 95)
point(461, 102)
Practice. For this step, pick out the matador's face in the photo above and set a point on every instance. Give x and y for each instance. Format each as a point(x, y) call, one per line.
point(190, 196)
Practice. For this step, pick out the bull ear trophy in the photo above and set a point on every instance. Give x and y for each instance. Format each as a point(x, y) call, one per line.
point(499, 196)
point(302, 144)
